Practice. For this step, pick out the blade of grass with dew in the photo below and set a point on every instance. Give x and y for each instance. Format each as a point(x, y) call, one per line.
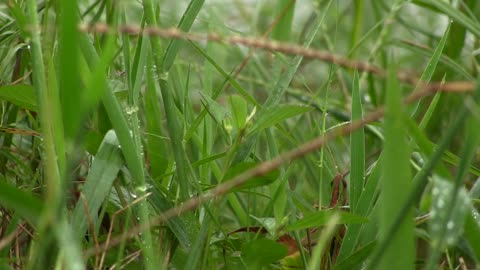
point(357, 148)
point(448, 214)
point(472, 231)
point(175, 127)
point(156, 144)
point(98, 183)
point(148, 245)
point(47, 101)
point(128, 146)
point(451, 205)
point(396, 183)
point(420, 181)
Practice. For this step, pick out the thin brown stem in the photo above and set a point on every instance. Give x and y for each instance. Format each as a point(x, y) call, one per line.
point(283, 47)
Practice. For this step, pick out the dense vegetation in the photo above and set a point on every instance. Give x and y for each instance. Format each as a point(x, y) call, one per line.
point(239, 134)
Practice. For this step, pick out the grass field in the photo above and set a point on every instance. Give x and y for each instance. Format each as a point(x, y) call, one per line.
point(239, 134)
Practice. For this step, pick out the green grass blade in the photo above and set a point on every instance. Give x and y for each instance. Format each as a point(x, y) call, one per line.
point(98, 183)
point(184, 25)
point(47, 101)
point(357, 148)
point(359, 11)
point(21, 95)
point(282, 84)
point(396, 183)
point(453, 13)
point(198, 248)
point(472, 232)
point(428, 74)
point(156, 147)
point(283, 28)
point(452, 206)
point(69, 52)
point(365, 205)
point(24, 203)
point(127, 143)
point(421, 179)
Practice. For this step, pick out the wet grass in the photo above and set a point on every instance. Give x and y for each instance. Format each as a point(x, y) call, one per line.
point(236, 135)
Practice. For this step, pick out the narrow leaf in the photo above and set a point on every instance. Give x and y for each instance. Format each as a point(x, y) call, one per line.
point(21, 95)
point(357, 148)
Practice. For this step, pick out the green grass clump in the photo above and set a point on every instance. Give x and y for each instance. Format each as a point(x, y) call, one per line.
point(239, 134)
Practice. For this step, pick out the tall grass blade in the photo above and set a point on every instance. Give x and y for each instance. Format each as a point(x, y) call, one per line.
point(357, 148)
point(396, 183)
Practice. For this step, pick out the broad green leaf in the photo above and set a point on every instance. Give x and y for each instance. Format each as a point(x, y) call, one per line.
point(284, 11)
point(103, 172)
point(256, 181)
point(216, 111)
point(450, 200)
point(262, 252)
point(21, 95)
point(472, 231)
point(321, 218)
point(441, 196)
point(27, 205)
point(239, 111)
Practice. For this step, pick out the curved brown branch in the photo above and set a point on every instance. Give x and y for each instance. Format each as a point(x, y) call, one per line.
point(287, 48)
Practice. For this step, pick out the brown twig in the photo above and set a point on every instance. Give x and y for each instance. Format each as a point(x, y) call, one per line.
point(283, 47)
